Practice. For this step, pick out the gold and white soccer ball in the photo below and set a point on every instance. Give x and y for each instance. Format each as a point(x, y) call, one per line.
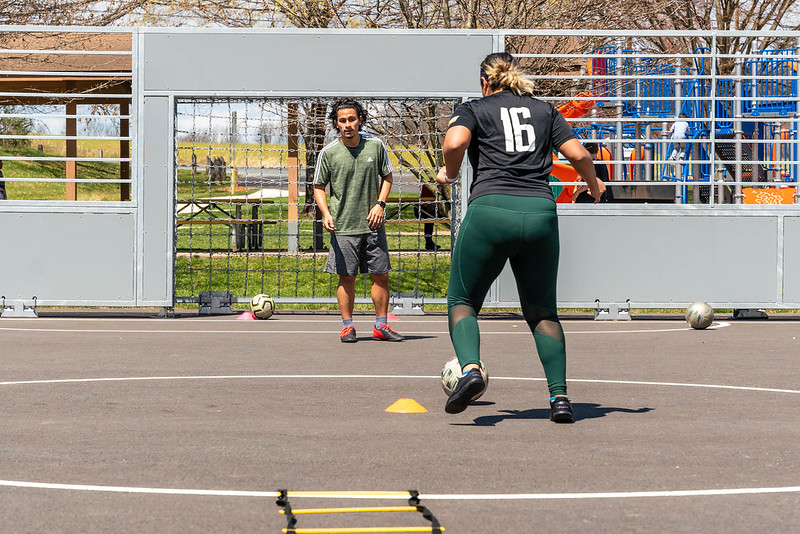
point(699, 315)
point(262, 306)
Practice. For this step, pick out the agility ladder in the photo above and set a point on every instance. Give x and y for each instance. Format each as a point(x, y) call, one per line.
point(413, 506)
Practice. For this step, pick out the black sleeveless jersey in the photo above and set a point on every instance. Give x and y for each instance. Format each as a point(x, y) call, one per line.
point(511, 151)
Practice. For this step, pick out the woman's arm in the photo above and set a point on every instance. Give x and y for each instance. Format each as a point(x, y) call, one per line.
point(582, 161)
point(456, 142)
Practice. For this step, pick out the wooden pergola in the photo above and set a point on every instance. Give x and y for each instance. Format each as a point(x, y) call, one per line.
point(70, 69)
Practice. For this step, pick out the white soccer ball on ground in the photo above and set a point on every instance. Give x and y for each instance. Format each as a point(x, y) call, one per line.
point(699, 315)
point(451, 373)
point(262, 306)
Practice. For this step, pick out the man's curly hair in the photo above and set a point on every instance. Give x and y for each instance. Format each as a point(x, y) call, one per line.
point(347, 103)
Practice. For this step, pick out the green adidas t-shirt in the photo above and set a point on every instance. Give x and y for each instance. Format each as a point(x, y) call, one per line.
point(355, 176)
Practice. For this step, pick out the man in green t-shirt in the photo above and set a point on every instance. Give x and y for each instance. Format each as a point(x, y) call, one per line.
point(357, 169)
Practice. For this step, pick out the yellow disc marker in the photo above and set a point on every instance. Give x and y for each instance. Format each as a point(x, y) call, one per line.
point(406, 406)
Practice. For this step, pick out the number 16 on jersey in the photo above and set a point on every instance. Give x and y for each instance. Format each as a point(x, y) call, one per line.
point(514, 129)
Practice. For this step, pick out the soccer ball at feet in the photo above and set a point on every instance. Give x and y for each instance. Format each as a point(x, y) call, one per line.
point(451, 372)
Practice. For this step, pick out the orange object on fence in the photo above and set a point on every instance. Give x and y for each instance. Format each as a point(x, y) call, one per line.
point(577, 108)
point(564, 172)
point(769, 195)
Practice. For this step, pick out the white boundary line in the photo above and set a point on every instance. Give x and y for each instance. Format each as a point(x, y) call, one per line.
point(430, 497)
point(330, 332)
point(380, 377)
point(609, 495)
point(126, 489)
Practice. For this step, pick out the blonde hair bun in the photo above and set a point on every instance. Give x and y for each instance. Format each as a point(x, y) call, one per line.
point(502, 72)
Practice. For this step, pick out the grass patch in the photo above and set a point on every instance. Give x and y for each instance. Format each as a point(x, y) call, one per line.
point(99, 171)
point(294, 276)
point(86, 148)
point(205, 262)
point(244, 154)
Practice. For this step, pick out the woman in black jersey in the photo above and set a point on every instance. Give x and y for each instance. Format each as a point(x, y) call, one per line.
point(509, 137)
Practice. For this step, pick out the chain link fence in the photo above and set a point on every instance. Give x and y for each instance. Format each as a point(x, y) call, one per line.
point(246, 219)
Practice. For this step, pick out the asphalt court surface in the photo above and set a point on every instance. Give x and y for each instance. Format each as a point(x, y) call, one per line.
point(108, 421)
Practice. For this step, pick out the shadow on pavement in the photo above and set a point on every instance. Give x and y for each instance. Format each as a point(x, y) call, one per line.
point(581, 411)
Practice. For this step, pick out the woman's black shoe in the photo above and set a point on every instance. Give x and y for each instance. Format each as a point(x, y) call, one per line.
point(560, 410)
point(468, 386)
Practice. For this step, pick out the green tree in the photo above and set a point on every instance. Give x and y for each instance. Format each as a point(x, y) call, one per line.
point(13, 126)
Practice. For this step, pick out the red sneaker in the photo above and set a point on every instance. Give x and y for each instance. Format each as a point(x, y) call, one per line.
point(348, 335)
point(385, 333)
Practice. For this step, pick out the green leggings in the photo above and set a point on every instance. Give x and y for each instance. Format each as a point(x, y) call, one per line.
point(524, 231)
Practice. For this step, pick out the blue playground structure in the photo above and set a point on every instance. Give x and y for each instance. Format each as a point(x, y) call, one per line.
point(746, 121)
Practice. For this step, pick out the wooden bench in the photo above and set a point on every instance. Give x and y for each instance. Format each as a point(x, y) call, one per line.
point(248, 233)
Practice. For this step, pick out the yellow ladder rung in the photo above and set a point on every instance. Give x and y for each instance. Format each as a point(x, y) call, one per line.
point(358, 529)
point(351, 510)
point(349, 494)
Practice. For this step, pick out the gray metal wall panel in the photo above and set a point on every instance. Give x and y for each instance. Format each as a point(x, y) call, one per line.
point(85, 258)
point(332, 63)
point(157, 203)
point(791, 259)
point(668, 259)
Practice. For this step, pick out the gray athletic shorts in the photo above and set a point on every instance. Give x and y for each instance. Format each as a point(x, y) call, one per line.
point(363, 253)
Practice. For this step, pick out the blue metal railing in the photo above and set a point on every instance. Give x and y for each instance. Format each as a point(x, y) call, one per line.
point(772, 87)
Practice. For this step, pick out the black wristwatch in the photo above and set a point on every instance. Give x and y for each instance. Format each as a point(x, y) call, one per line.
point(382, 204)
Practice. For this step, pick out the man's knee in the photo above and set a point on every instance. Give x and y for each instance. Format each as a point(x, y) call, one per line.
point(381, 279)
point(347, 281)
